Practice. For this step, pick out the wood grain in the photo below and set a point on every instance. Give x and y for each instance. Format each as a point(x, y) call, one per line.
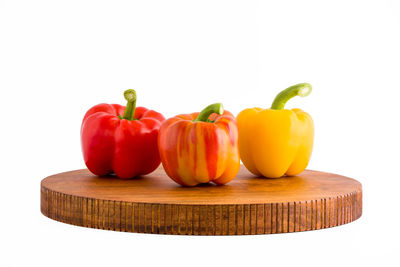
point(246, 206)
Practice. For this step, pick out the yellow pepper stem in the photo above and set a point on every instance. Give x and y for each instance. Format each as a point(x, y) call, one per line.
point(301, 89)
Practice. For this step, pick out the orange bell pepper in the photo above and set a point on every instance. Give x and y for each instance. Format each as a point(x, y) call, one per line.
point(200, 147)
point(275, 142)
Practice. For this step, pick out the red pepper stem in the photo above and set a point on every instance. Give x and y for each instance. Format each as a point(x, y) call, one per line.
point(130, 96)
point(301, 89)
point(213, 108)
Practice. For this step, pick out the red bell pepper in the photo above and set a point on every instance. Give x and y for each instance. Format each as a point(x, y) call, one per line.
point(121, 140)
point(200, 147)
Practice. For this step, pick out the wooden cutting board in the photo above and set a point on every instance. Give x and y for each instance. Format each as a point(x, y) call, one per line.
point(247, 205)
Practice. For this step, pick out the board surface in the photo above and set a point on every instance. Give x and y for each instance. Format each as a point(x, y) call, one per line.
point(247, 205)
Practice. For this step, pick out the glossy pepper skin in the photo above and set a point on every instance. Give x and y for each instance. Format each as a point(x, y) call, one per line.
point(275, 142)
point(121, 140)
point(200, 147)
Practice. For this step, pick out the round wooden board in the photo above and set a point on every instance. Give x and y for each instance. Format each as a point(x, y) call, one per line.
point(247, 205)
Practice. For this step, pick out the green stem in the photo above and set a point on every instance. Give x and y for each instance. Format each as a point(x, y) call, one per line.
point(213, 108)
point(301, 89)
point(130, 96)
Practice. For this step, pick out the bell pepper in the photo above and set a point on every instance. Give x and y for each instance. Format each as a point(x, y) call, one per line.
point(121, 140)
point(275, 142)
point(200, 147)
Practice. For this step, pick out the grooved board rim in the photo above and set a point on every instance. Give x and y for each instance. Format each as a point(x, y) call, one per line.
point(248, 205)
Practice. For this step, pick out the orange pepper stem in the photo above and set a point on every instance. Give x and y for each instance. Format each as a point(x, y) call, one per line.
point(130, 96)
point(301, 89)
point(213, 108)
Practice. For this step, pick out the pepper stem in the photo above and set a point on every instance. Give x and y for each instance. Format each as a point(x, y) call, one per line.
point(301, 89)
point(130, 96)
point(213, 108)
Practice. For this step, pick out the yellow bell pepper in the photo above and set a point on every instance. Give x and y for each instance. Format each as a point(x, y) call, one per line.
point(275, 142)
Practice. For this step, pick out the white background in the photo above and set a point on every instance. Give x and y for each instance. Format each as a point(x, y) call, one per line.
point(58, 58)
